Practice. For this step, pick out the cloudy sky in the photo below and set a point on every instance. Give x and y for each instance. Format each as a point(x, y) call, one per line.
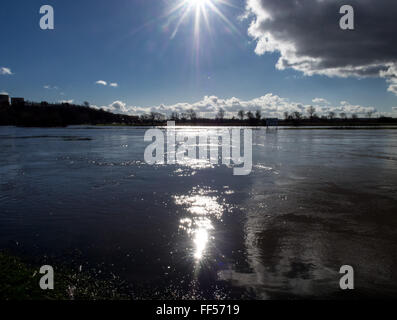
point(137, 56)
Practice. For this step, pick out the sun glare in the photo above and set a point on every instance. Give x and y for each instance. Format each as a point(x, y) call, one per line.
point(199, 10)
point(198, 2)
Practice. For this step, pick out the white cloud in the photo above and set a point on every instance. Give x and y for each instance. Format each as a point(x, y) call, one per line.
point(66, 101)
point(320, 101)
point(270, 105)
point(48, 87)
point(3, 92)
point(391, 75)
point(118, 107)
point(393, 88)
point(5, 71)
point(105, 83)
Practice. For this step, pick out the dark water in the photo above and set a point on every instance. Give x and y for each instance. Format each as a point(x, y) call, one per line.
point(315, 200)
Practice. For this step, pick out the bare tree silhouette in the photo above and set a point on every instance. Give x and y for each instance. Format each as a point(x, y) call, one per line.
point(311, 111)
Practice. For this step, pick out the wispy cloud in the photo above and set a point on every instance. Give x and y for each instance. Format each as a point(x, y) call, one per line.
point(105, 83)
point(48, 87)
point(5, 71)
point(320, 101)
point(102, 82)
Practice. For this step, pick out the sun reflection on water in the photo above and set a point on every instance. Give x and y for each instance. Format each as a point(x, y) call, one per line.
point(200, 241)
point(203, 209)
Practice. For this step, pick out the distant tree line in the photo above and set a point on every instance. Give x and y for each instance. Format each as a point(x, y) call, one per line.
point(294, 118)
point(331, 118)
point(46, 114)
point(30, 114)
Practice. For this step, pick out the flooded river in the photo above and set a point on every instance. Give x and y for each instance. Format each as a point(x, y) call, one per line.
point(83, 197)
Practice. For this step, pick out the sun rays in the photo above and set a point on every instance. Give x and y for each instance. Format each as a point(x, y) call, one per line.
point(200, 11)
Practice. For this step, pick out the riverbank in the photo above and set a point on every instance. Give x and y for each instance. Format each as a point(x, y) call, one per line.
point(20, 281)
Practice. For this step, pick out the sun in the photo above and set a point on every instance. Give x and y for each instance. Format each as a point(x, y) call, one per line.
point(199, 10)
point(198, 3)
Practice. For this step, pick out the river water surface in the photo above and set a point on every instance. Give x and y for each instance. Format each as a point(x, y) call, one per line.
point(315, 200)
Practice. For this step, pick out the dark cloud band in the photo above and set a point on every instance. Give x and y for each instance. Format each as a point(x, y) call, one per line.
point(309, 39)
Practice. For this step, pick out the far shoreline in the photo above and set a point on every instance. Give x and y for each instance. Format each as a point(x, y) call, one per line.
point(206, 125)
point(46, 115)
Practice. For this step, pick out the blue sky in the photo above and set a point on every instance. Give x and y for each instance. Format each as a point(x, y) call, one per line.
point(129, 42)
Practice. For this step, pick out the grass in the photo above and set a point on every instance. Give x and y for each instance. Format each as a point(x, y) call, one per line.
point(20, 281)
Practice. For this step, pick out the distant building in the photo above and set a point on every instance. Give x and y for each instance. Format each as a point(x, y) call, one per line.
point(4, 100)
point(17, 101)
